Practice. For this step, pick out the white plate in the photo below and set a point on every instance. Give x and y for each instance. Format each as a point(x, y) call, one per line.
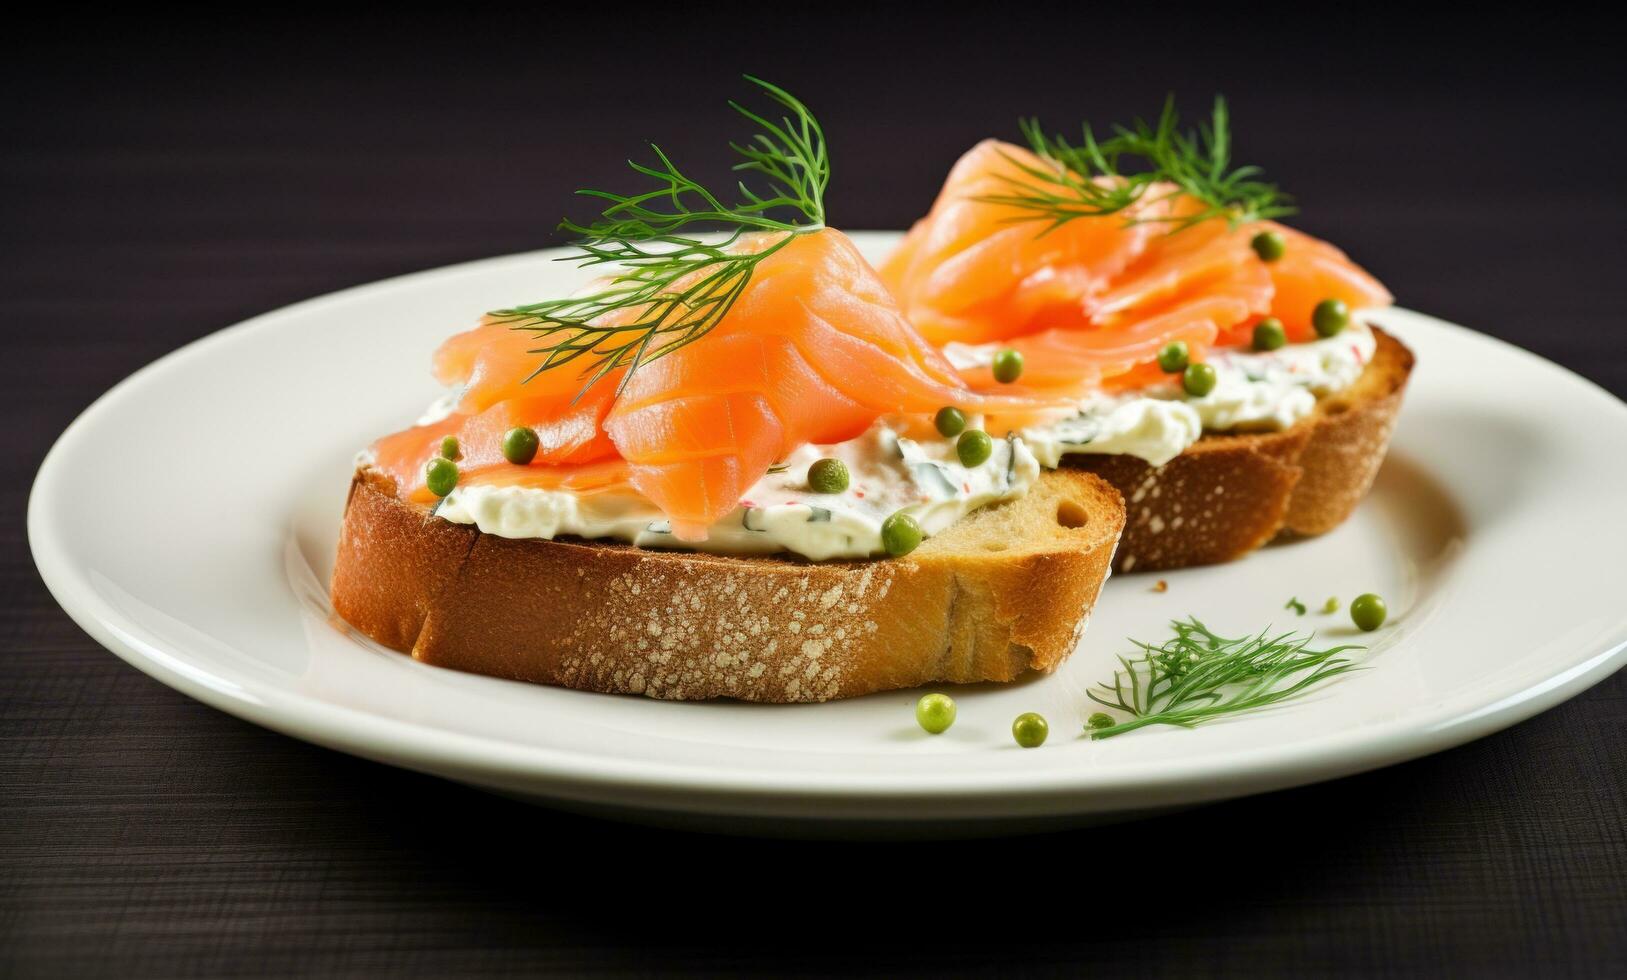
point(187, 521)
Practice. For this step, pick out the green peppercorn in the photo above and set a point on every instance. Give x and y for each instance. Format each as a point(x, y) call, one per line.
point(827, 476)
point(1331, 606)
point(1174, 357)
point(1030, 729)
point(1099, 720)
point(900, 535)
point(935, 713)
point(1330, 317)
point(520, 445)
point(1368, 612)
point(1198, 380)
point(974, 447)
point(1268, 245)
point(1008, 366)
point(1269, 335)
point(441, 476)
point(449, 447)
point(950, 421)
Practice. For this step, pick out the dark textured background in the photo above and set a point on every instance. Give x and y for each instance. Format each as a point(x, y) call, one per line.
point(161, 181)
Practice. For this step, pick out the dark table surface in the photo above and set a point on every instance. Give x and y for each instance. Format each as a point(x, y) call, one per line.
point(163, 181)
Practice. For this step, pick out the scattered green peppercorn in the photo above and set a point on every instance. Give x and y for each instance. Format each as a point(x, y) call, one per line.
point(520, 445)
point(974, 447)
point(950, 421)
point(900, 535)
point(1030, 730)
point(1368, 612)
point(449, 447)
point(1198, 380)
point(1008, 366)
point(827, 476)
point(1268, 245)
point(1330, 317)
point(1099, 720)
point(1269, 335)
point(1331, 606)
point(1174, 357)
point(441, 476)
point(935, 713)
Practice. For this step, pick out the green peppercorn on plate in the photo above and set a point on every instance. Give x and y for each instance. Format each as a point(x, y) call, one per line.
point(1493, 539)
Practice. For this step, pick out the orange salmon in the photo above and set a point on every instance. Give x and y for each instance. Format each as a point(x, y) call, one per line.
point(1101, 294)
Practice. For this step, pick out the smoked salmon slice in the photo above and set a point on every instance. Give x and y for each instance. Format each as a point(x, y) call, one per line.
point(1101, 295)
point(814, 352)
point(491, 367)
point(1310, 271)
point(974, 272)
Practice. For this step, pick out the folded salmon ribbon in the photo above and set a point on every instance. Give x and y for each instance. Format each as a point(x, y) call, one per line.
point(1100, 296)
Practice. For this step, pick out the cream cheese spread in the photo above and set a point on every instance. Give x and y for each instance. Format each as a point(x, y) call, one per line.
point(888, 473)
point(1254, 391)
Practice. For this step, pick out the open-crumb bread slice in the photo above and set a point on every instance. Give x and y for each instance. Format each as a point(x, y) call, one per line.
point(1229, 494)
point(1005, 590)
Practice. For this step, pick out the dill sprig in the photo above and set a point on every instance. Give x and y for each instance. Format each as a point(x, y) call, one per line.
point(1199, 163)
point(1103, 177)
point(1075, 181)
point(673, 285)
point(1197, 676)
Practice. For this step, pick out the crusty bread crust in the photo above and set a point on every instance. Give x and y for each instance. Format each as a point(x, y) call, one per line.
point(1229, 494)
point(1347, 446)
point(1005, 590)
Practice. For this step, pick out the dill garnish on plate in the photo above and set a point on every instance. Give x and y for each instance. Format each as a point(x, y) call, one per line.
point(1198, 676)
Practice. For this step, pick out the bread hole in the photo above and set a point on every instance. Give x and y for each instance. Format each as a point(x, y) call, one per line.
point(1071, 514)
point(1335, 408)
point(996, 546)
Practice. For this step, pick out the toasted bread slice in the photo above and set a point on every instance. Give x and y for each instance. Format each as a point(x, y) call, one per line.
point(1229, 494)
point(1005, 590)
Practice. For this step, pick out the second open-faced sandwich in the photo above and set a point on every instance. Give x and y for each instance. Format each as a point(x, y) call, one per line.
point(1234, 390)
point(728, 467)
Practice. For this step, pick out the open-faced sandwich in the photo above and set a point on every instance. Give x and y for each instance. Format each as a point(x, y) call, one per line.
point(1236, 392)
point(730, 467)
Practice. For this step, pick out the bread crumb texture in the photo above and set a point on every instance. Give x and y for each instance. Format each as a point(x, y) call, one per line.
point(702, 634)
